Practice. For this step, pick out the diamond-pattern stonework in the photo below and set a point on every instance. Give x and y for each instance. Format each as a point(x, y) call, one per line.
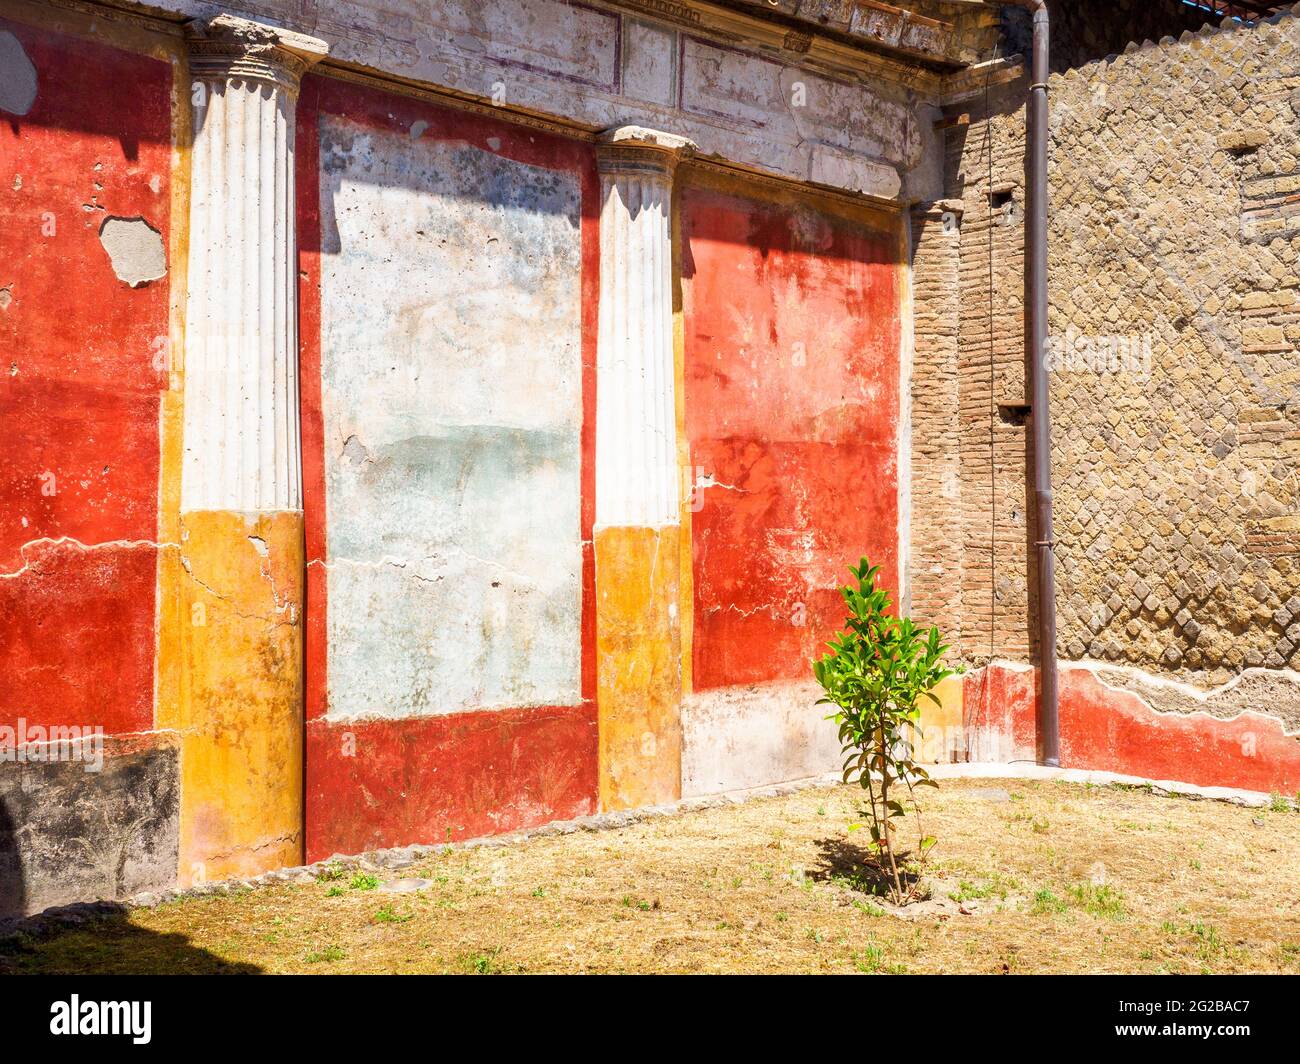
point(1175, 464)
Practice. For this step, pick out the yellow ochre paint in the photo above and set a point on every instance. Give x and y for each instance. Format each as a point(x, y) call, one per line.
point(941, 737)
point(239, 712)
point(638, 666)
point(167, 662)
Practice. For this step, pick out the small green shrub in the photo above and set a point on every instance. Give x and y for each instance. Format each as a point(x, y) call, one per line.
point(876, 673)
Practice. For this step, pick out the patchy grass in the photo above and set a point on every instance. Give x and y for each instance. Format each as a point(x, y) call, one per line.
point(1061, 878)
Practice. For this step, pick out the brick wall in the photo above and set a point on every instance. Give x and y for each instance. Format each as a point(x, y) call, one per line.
point(970, 564)
point(1175, 317)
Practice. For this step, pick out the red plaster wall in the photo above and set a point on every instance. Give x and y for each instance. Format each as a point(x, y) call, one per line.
point(1116, 731)
point(384, 783)
point(372, 784)
point(805, 454)
point(81, 384)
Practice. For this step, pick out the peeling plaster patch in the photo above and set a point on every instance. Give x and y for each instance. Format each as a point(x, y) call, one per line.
point(135, 249)
point(1269, 693)
point(418, 128)
point(6, 297)
point(259, 545)
point(356, 452)
point(17, 76)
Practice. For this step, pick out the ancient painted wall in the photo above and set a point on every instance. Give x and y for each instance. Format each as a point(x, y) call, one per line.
point(448, 294)
point(86, 215)
point(1172, 304)
point(390, 630)
point(792, 356)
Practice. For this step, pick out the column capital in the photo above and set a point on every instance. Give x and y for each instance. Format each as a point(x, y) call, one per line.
point(639, 151)
point(228, 47)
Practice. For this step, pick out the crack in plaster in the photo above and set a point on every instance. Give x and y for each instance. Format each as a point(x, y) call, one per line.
point(278, 607)
point(405, 563)
point(62, 540)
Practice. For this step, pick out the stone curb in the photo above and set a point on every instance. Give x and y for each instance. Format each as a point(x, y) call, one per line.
point(1166, 788)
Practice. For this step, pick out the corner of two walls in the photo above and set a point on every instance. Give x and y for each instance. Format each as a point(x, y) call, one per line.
point(1175, 316)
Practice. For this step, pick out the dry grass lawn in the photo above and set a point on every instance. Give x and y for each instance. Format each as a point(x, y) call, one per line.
point(1053, 877)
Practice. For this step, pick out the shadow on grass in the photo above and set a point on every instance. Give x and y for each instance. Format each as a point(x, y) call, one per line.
point(857, 867)
point(105, 944)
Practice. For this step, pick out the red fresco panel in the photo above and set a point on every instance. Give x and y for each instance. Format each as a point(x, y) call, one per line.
point(792, 405)
point(1110, 730)
point(81, 377)
point(380, 783)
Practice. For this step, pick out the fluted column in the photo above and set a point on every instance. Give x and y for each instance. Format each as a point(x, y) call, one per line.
point(638, 531)
point(240, 708)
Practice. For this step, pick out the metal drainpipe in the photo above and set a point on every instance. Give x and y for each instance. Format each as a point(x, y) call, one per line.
point(1049, 725)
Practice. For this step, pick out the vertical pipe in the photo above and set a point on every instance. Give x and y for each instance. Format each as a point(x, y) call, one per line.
point(1048, 708)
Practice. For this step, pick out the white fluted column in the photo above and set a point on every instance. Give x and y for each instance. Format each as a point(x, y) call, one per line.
point(638, 533)
point(636, 451)
point(242, 440)
point(238, 582)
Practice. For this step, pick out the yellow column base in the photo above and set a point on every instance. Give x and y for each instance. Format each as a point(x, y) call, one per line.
point(239, 708)
point(638, 670)
point(942, 738)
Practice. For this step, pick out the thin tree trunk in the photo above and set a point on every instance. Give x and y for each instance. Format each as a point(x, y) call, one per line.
point(884, 804)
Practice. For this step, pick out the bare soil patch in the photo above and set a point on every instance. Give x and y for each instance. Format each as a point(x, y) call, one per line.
point(1027, 877)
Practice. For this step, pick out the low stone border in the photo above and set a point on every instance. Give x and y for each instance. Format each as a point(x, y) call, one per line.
point(392, 860)
point(401, 857)
point(1168, 788)
point(15, 929)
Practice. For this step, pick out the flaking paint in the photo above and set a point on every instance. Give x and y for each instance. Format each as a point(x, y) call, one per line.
point(84, 366)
